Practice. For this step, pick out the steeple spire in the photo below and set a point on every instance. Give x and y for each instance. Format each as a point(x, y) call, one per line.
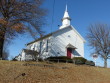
point(66, 8)
point(66, 19)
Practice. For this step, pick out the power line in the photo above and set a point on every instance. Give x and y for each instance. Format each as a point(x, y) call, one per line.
point(53, 15)
point(52, 23)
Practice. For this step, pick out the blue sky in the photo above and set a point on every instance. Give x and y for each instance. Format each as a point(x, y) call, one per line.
point(82, 12)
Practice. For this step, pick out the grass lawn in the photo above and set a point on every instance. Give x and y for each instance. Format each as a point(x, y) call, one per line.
point(42, 72)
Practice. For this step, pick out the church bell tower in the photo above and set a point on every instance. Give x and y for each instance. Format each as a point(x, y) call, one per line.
point(66, 19)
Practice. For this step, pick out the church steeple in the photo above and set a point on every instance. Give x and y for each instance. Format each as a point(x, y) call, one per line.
point(66, 19)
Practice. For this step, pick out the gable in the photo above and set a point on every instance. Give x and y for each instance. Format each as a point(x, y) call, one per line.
point(67, 38)
point(68, 29)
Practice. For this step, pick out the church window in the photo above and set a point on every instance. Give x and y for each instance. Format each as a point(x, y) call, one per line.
point(34, 47)
point(69, 36)
point(40, 46)
point(47, 46)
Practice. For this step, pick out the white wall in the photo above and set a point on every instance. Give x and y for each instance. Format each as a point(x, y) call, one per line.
point(62, 38)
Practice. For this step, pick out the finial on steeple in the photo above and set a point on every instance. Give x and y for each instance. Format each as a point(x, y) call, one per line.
point(66, 8)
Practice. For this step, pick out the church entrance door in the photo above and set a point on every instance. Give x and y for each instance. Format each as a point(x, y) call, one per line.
point(69, 52)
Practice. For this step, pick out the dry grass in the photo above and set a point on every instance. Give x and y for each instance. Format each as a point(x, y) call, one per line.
point(10, 72)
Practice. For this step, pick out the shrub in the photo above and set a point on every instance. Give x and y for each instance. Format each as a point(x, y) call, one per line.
point(14, 59)
point(60, 59)
point(91, 63)
point(79, 60)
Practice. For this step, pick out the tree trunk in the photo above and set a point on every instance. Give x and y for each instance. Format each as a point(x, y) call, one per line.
point(105, 63)
point(1, 45)
point(2, 37)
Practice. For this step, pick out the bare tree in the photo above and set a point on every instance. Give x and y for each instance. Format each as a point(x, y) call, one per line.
point(19, 16)
point(99, 38)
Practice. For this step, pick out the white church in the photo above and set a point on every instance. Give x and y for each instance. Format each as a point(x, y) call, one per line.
point(64, 42)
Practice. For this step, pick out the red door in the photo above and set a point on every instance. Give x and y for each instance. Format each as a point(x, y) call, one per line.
point(69, 51)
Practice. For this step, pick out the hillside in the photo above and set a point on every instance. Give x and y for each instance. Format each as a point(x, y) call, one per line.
point(40, 72)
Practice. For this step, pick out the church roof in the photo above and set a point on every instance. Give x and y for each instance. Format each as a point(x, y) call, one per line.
point(50, 34)
point(31, 52)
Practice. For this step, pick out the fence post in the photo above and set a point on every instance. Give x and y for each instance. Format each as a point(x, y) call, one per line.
point(73, 61)
point(66, 61)
point(58, 60)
